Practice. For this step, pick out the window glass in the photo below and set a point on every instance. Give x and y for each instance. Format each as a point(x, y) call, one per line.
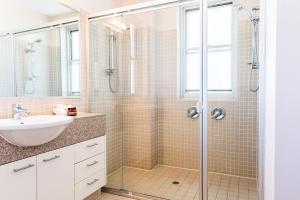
point(193, 72)
point(75, 78)
point(219, 49)
point(74, 63)
point(219, 25)
point(219, 71)
point(75, 45)
point(193, 28)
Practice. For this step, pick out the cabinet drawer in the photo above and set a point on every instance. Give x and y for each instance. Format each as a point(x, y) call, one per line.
point(88, 167)
point(86, 187)
point(90, 148)
point(18, 180)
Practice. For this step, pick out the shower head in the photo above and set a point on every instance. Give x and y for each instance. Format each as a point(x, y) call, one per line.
point(31, 45)
point(38, 40)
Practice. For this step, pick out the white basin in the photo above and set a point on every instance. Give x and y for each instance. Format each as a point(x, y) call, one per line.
point(33, 130)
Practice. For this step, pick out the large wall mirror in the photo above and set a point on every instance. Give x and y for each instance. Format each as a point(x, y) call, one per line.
point(39, 49)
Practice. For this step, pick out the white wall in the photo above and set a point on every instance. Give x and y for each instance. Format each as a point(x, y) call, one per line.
point(282, 160)
point(91, 6)
point(10, 21)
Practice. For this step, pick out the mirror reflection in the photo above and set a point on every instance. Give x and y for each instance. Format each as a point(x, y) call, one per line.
point(40, 53)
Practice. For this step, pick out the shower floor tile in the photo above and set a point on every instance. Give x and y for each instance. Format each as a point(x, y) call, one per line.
point(182, 184)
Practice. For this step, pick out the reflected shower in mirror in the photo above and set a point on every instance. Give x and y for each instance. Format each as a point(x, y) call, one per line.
point(39, 49)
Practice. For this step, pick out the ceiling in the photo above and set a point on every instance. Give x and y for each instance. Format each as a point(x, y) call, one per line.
point(48, 8)
point(93, 6)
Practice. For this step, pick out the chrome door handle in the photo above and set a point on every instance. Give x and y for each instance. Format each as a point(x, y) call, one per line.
point(94, 181)
point(218, 113)
point(23, 168)
point(192, 112)
point(53, 158)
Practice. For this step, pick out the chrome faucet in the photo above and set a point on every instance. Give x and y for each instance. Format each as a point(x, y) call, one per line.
point(18, 111)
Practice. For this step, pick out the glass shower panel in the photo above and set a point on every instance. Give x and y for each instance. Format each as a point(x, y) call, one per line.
point(135, 79)
point(232, 106)
point(105, 89)
point(161, 144)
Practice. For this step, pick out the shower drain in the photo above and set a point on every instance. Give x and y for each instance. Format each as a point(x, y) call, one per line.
point(175, 182)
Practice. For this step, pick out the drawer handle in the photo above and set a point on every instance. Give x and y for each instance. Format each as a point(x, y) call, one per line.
point(94, 181)
point(93, 163)
point(92, 145)
point(53, 158)
point(23, 168)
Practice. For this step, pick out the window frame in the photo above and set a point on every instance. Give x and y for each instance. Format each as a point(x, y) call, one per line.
point(213, 95)
point(70, 61)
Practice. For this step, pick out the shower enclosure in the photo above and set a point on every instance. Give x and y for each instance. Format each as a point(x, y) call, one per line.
point(147, 76)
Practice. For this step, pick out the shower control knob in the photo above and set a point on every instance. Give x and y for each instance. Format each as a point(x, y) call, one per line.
point(192, 112)
point(218, 113)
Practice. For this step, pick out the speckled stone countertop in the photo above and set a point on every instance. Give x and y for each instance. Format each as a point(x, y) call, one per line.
point(84, 127)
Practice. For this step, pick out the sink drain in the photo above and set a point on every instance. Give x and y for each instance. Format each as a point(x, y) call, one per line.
point(175, 182)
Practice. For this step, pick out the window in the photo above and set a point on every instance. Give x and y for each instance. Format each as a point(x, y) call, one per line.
point(220, 51)
point(73, 64)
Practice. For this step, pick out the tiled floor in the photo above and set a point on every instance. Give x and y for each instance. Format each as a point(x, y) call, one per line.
point(159, 182)
point(106, 196)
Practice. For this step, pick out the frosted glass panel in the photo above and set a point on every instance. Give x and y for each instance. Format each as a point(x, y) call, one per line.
point(193, 72)
point(193, 28)
point(219, 70)
point(219, 25)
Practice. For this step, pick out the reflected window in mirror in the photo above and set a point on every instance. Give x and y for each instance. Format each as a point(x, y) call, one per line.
point(70, 39)
point(74, 66)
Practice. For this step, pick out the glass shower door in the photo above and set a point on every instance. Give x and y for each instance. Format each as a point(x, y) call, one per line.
point(232, 105)
point(138, 63)
point(161, 143)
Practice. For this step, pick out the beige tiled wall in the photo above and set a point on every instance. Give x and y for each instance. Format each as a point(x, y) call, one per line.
point(232, 142)
point(140, 108)
point(131, 118)
point(178, 134)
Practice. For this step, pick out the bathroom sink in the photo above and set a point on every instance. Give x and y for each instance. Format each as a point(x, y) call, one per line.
point(33, 130)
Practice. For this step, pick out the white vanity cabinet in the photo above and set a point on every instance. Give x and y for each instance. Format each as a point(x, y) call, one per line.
point(69, 173)
point(18, 180)
point(55, 171)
